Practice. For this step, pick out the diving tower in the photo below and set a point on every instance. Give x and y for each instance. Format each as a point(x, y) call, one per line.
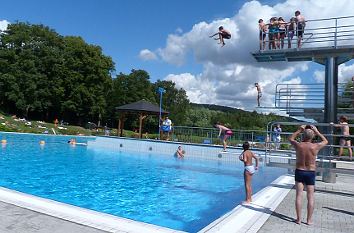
point(329, 42)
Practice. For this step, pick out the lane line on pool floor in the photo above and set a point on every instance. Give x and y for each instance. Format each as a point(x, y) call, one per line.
point(250, 218)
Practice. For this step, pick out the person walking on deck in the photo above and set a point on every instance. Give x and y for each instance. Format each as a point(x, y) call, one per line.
point(305, 173)
point(277, 136)
point(224, 133)
point(345, 140)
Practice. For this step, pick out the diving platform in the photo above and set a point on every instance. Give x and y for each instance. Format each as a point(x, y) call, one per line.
point(318, 54)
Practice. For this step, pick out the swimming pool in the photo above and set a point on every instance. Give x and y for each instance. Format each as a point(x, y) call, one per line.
point(144, 186)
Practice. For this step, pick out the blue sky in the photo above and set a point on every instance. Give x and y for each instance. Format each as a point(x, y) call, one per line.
point(124, 27)
point(176, 32)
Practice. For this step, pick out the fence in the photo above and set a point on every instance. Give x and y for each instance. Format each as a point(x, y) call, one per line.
point(210, 136)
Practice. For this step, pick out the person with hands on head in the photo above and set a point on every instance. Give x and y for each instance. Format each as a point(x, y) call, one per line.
point(180, 152)
point(305, 173)
point(246, 157)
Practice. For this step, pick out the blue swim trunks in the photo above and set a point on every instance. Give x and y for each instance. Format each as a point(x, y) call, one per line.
point(305, 177)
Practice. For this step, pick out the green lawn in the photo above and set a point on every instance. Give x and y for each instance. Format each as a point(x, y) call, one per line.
point(14, 124)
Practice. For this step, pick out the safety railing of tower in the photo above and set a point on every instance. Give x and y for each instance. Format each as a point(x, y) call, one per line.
point(308, 99)
point(335, 156)
point(329, 32)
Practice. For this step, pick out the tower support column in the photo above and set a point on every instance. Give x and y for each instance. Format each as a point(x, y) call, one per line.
point(330, 113)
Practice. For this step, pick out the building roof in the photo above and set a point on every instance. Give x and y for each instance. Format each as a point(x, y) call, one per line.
point(141, 106)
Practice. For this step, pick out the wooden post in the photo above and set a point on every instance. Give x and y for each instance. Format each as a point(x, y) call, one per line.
point(140, 124)
point(141, 118)
point(119, 125)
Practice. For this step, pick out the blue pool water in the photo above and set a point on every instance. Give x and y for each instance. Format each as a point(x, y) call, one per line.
point(180, 194)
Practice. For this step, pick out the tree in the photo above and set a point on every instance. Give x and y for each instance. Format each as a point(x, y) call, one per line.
point(129, 88)
point(174, 100)
point(46, 75)
point(24, 54)
point(87, 80)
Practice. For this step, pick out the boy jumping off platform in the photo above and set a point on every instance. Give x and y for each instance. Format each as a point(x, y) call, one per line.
point(223, 34)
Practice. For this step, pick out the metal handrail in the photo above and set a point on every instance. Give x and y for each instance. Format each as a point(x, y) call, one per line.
point(335, 36)
point(326, 126)
point(210, 136)
point(300, 99)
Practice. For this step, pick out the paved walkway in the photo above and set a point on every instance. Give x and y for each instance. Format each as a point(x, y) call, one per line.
point(14, 219)
point(334, 210)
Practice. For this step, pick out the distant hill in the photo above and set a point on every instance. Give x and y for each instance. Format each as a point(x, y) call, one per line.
point(204, 115)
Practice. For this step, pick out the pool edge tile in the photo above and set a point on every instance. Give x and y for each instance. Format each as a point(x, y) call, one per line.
point(252, 219)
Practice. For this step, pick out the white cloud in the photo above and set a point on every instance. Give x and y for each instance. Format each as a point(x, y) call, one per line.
point(147, 55)
point(179, 30)
point(3, 24)
point(230, 85)
point(319, 76)
point(229, 73)
point(345, 74)
point(198, 90)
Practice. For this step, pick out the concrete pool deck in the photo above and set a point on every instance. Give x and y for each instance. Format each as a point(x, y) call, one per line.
point(20, 220)
point(334, 212)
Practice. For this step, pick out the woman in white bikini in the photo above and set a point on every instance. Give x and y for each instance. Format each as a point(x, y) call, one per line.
point(246, 158)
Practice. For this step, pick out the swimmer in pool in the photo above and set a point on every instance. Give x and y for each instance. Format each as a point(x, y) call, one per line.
point(246, 157)
point(72, 141)
point(180, 152)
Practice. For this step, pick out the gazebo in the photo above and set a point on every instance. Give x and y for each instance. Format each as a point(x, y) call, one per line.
point(143, 108)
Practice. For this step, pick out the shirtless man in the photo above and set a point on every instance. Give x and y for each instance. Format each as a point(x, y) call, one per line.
point(344, 140)
point(300, 27)
point(223, 34)
point(224, 133)
point(259, 91)
point(305, 173)
point(246, 157)
point(262, 34)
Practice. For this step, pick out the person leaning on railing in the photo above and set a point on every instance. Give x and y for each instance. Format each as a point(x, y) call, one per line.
point(282, 31)
point(290, 29)
point(273, 28)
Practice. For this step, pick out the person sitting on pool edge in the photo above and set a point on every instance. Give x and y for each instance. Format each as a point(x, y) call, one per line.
point(180, 152)
point(246, 157)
